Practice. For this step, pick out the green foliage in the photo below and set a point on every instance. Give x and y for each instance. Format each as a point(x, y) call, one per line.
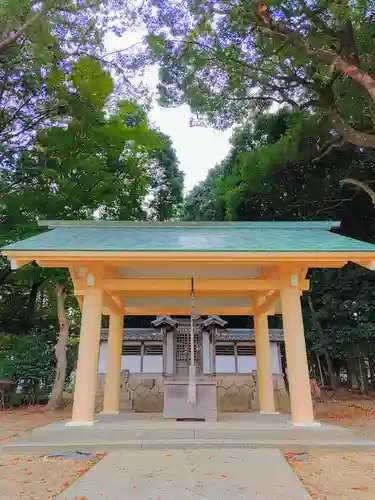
point(39, 43)
point(30, 362)
point(166, 182)
point(93, 161)
point(74, 144)
point(232, 60)
point(203, 202)
point(254, 183)
point(345, 306)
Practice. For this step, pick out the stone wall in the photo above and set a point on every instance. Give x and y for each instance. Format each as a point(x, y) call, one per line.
point(239, 393)
point(147, 393)
point(235, 393)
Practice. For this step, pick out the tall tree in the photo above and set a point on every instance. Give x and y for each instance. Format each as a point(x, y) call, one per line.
point(92, 164)
point(166, 182)
point(203, 202)
point(254, 183)
point(93, 161)
point(38, 38)
point(229, 59)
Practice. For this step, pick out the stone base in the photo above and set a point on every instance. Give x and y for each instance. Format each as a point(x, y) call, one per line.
point(88, 423)
point(109, 413)
point(269, 412)
point(151, 431)
point(305, 424)
point(235, 393)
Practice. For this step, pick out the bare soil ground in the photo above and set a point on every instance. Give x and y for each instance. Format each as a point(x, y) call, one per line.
point(338, 476)
point(35, 477)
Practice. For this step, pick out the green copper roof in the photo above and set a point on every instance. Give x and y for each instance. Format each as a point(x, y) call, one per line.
point(202, 237)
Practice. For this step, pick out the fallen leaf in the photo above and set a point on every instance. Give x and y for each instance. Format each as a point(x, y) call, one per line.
point(29, 473)
point(360, 488)
point(13, 479)
point(134, 485)
point(223, 476)
point(211, 457)
point(82, 471)
point(169, 455)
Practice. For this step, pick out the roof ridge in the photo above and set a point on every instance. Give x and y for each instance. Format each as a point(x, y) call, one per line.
point(99, 223)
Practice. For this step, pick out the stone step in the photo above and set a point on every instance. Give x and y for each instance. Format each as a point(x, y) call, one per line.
point(100, 431)
point(104, 445)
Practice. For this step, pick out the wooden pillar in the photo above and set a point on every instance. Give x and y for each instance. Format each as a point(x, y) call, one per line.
point(111, 403)
point(88, 357)
point(165, 353)
point(213, 348)
point(264, 364)
point(296, 357)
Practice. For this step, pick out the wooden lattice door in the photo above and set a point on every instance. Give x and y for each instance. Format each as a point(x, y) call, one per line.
point(183, 347)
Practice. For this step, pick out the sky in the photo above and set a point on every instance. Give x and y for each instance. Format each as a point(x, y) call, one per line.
point(198, 148)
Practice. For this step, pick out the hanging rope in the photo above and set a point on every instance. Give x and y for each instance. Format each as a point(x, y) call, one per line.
point(192, 388)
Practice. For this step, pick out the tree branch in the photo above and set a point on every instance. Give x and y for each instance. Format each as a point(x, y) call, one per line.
point(279, 30)
point(361, 185)
point(336, 142)
point(12, 39)
point(361, 139)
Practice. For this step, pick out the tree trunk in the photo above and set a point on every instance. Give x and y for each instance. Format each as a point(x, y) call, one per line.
point(327, 357)
point(352, 373)
point(320, 371)
point(363, 374)
point(30, 308)
point(371, 363)
point(56, 398)
point(4, 274)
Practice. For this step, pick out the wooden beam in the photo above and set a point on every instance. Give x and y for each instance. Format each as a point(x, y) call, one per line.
point(110, 303)
point(181, 287)
point(309, 259)
point(201, 285)
point(113, 304)
point(263, 306)
point(186, 311)
point(18, 263)
point(270, 273)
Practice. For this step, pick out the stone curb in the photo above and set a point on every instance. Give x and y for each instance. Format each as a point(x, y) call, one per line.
point(182, 444)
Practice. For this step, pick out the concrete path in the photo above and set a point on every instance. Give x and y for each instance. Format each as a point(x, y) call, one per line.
point(189, 475)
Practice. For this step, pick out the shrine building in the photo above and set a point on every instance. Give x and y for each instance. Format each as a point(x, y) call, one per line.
point(189, 275)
